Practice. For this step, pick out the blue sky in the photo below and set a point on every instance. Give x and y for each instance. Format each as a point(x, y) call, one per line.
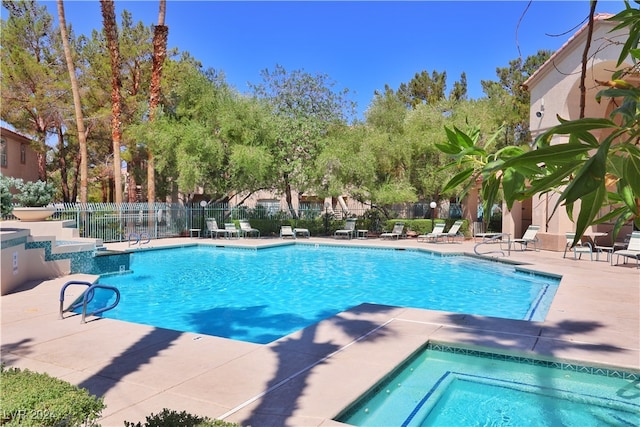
point(360, 45)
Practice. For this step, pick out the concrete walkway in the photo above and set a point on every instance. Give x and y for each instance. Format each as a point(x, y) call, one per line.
point(308, 377)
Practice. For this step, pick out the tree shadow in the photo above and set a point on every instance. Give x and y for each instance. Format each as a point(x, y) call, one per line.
point(272, 409)
point(251, 324)
point(8, 350)
point(130, 360)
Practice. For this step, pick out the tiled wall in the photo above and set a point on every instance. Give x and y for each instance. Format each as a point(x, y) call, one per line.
point(22, 261)
point(538, 362)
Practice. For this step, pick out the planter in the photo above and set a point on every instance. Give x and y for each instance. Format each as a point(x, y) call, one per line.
point(33, 214)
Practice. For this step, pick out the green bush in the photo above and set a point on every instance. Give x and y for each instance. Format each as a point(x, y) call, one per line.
point(168, 418)
point(31, 193)
point(33, 399)
point(5, 195)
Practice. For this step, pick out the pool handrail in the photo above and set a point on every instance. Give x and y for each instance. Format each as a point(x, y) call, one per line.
point(138, 238)
point(87, 296)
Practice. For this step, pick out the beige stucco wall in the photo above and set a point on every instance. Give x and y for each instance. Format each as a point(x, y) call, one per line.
point(19, 266)
point(28, 170)
point(555, 91)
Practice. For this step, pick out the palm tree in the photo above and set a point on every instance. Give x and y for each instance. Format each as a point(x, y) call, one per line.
point(82, 136)
point(111, 34)
point(160, 34)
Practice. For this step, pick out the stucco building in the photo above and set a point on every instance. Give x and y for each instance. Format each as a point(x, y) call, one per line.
point(18, 159)
point(555, 91)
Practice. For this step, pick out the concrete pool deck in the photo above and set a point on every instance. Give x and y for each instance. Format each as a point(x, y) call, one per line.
point(308, 377)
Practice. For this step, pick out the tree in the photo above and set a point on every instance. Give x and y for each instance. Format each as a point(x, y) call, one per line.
point(111, 34)
point(82, 137)
point(429, 89)
point(304, 106)
point(31, 88)
point(160, 33)
point(459, 91)
point(188, 129)
point(511, 100)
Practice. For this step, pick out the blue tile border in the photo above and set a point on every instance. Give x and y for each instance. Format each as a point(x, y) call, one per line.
point(564, 366)
point(13, 242)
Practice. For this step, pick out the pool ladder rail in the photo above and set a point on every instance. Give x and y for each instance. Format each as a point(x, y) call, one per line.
point(139, 239)
point(493, 239)
point(86, 298)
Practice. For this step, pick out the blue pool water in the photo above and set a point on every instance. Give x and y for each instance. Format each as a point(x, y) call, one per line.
point(469, 388)
point(261, 295)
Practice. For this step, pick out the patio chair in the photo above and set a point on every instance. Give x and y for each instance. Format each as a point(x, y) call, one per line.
point(436, 233)
point(454, 231)
point(529, 236)
point(348, 230)
point(578, 248)
point(213, 230)
point(287, 231)
point(231, 230)
point(632, 251)
point(396, 233)
point(304, 232)
point(247, 230)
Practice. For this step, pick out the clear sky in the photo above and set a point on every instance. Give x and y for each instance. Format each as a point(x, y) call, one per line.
point(360, 45)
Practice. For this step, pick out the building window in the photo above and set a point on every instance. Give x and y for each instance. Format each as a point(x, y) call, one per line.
point(3, 153)
point(23, 153)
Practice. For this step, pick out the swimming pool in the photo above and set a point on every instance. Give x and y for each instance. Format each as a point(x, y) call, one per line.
point(261, 295)
point(450, 386)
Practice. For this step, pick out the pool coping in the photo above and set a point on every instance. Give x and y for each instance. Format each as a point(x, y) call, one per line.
point(139, 370)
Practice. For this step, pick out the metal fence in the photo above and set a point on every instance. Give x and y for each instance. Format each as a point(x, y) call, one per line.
point(112, 222)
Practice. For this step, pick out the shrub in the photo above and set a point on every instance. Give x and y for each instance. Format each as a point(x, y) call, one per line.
point(33, 399)
point(34, 193)
point(168, 418)
point(5, 195)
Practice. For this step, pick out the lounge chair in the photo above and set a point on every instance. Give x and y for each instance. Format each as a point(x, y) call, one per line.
point(396, 233)
point(247, 230)
point(529, 236)
point(436, 233)
point(301, 232)
point(231, 230)
point(578, 248)
point(348, 230)
point(287, 231)
point(213, 230)
point(454, 231)
point(632, 251)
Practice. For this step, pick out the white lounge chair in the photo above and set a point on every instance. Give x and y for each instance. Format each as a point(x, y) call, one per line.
point(436, 233)
point(454, 231)
point(396, 233)
point(529, 236)
point(231, 230)
point(578, 248)
point(287, 231)
point(213, 230)
point(247, 230)
point(632, 251)
point(348, 231)
point(301, 232)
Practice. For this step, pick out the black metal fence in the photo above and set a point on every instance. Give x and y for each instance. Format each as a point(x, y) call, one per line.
point(112, 222)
